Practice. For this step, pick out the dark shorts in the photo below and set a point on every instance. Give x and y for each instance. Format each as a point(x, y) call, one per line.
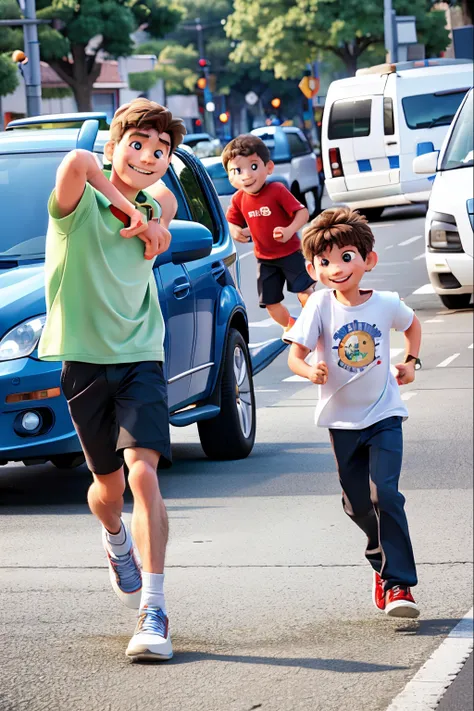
point(116, 407)
point(273, 273)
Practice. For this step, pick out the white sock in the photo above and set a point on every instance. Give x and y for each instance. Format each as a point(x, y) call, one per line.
point(152, 590)
point(119, 543)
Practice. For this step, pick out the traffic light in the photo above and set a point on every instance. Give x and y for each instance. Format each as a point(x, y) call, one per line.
point(203, 62)
point(202, 83)
point(224, 117)
point(276, 103)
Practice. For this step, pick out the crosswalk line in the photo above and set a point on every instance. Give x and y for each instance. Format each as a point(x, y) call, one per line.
point(449, 360)
point(409, 241)
point(425, 289)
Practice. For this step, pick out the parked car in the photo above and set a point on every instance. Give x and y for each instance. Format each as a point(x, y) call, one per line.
point(208, 366)
point(449, 227)
point(296, 162)
point(219, 177)
point(376, 122)
point(203, 144)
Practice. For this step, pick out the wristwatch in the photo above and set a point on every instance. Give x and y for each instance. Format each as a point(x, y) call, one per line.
point(409, 358)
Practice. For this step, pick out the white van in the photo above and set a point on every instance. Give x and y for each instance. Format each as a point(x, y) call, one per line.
point(376, 123)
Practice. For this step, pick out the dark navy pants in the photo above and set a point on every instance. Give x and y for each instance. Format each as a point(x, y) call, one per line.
point(369, 463)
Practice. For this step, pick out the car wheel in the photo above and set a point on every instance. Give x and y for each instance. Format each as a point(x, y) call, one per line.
point(456, 301)
point(372, 213)
point(231, 435)
point(68, 461)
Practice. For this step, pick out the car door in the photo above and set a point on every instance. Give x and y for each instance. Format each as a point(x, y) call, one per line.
point(177, 300)
point(208, 275)
point(303, 162)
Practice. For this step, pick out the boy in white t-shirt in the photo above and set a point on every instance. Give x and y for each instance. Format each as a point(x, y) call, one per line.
point(359, 400)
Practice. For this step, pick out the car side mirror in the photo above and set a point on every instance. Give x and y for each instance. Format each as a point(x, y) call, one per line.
point(189, 241)
point(426, 163)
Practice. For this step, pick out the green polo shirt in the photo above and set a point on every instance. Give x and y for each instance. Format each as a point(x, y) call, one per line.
point(101, 296)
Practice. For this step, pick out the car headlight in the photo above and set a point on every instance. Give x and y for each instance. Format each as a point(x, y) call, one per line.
point(444, 234)
point(22, 340)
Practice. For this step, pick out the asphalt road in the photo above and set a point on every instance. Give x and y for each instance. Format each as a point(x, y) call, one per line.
point(268, 590)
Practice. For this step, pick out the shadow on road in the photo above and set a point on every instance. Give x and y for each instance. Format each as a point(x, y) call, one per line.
point(428, 628)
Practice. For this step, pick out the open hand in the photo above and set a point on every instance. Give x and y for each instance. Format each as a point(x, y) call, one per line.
point(137, 225)
point(319, 373)
point(282, 234)
point(406, 373)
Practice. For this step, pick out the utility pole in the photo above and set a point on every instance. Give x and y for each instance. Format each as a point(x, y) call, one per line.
point(208, 115)
point(389, 23)
point(33, 69)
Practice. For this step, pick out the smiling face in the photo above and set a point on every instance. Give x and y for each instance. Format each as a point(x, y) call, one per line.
point(249, 173)
point(341, 268)
point(139, 159)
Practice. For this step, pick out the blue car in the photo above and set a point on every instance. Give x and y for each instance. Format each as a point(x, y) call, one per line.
point(208, 365)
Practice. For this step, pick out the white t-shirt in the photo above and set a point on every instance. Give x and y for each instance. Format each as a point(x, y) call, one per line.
point(354, 341)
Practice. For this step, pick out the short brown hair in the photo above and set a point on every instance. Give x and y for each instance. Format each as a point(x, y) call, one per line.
point(143, 113)
point(338, 226)
point(245, 145)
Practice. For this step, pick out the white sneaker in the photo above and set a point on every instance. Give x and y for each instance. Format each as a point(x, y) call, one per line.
point(125, 575)
point(151, 639)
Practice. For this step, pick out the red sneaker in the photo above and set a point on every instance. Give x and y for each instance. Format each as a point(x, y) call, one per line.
point(399, 602)
point(378, 593)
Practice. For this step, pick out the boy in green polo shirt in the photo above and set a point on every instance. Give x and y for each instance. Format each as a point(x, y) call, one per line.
point(104, 322)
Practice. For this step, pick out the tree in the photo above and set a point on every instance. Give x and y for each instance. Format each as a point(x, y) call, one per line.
point(10, 39)
point(285, 35)
point(83, 29)
point(176, 67)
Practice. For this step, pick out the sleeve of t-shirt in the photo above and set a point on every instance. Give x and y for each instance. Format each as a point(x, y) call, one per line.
point(70, 223)
point(402, 316)
point(288, 201)
point(308, 326)
point(234, 213)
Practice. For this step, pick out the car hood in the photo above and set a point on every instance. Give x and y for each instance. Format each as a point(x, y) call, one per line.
point(21, 295)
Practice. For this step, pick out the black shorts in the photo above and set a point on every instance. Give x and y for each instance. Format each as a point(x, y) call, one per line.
point(273, 273)
point(115, 407)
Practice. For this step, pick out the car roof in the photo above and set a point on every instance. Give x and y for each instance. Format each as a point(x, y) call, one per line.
point(211, 160)
point(194, 136)
point(28, 140)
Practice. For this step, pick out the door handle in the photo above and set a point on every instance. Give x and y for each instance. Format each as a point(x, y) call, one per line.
point(391, 143)
point(217, 270)
point(181, 289)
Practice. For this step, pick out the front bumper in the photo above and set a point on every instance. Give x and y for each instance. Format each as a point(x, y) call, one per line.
point(59, 437)
point(459, 265)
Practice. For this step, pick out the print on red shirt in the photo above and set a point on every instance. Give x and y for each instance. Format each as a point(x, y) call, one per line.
point(274, 206)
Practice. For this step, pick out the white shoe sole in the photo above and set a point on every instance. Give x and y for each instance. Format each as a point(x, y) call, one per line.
point(407, 610)
point(161, 653)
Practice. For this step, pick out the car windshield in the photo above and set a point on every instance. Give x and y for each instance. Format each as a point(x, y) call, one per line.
point(26, 181)
point(460, 149)
point(430, 110)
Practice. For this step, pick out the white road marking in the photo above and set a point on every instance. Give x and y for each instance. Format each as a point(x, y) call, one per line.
point(390, 246)
point(420, 256)
point(409, 241)
point(425, 289)
point(434, 320)
point(265, 323)
point(449, 360)
point(429, 684)
point(246, 254)
point(263, 390)
point(263, 343)
point(408, 396)
point(377, 225)
point(471, 346)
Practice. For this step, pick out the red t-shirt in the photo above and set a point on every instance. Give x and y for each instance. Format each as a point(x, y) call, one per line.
point(274, 206)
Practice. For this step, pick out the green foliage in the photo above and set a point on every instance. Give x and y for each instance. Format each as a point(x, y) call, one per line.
point(55, 92)
point(142, 81)
point(9, 79)
point(285, 35)
point(177, 67)
point(11, 38)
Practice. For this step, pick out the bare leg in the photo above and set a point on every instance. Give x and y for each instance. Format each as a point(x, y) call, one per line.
point(303, 296)
point(150, 520)
point(105, 498)
point(280, 314)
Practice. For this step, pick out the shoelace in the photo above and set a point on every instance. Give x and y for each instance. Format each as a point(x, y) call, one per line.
point(397, 589)
point(127, 573)
point(153, 620)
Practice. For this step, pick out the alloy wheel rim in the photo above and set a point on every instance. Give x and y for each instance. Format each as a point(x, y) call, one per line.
point(243, 393)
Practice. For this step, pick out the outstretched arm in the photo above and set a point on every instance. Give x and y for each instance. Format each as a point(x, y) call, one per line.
point(80, 167)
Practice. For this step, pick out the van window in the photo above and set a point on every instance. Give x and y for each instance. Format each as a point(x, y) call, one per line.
point(388, 120)
point(349, 119)
point(298, 145)
point(429, 110)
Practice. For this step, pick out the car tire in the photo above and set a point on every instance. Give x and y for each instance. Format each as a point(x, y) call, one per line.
point(372, 213)
point(231, 435)
point(68, 461)
point(456, 301)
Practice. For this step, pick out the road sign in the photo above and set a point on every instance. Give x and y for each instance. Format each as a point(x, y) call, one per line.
point(309, 86)
point(251, 98)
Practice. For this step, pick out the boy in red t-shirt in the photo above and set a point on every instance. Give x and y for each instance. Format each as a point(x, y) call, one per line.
point(271, 215)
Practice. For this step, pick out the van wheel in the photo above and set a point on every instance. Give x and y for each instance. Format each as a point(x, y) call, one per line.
point(456, 301)
point(372, 213)
point(68, 461)
point(231, 435)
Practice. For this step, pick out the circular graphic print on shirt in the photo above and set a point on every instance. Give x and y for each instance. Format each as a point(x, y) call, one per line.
point(357, 349)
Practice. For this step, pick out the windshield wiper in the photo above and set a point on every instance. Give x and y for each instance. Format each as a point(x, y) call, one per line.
point(447, 118)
